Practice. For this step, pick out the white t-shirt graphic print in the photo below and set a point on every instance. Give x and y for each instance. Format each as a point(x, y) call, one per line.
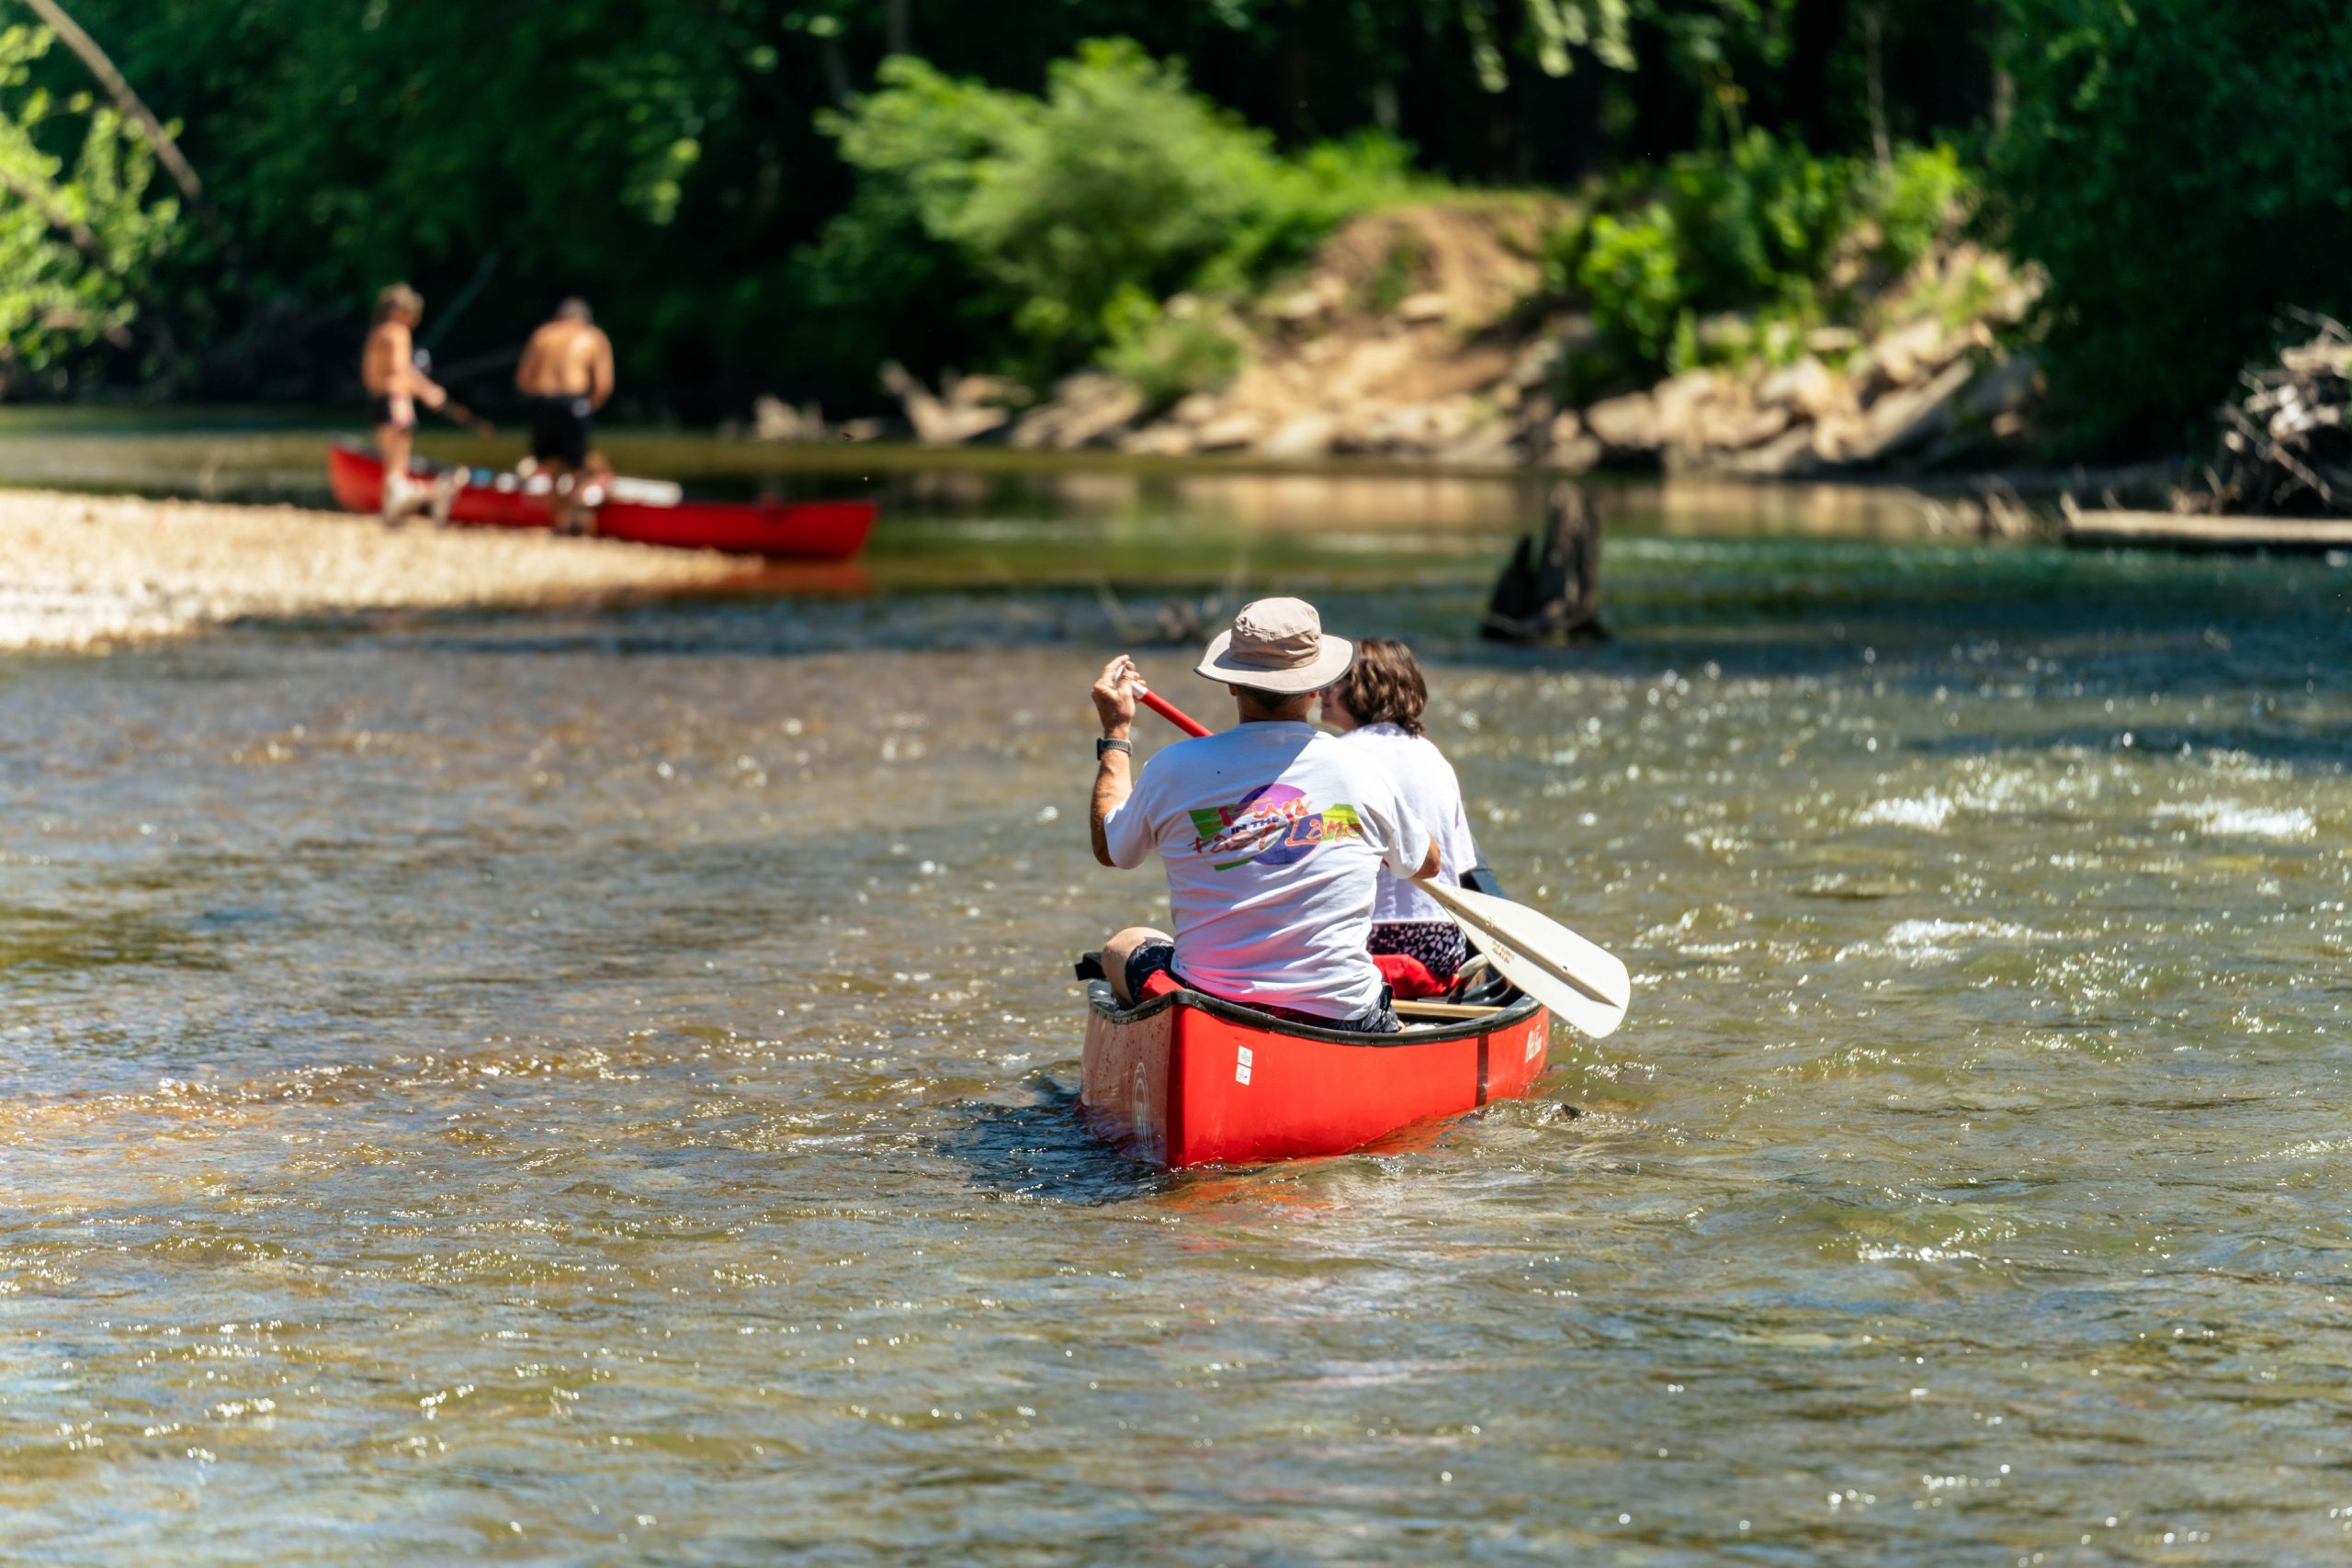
point(1273, 835)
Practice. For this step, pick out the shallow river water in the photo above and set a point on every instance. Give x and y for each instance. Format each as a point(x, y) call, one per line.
point(597, 1088)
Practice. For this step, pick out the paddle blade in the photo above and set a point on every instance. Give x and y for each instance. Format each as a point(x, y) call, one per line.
point(1584, 987)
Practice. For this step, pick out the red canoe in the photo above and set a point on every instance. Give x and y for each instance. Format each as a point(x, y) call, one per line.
point(643, 513)
point(1189, 1079)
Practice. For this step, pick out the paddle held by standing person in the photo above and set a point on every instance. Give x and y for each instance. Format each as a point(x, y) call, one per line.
point(395, 385)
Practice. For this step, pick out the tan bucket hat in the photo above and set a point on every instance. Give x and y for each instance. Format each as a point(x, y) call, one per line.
point(1277, 645)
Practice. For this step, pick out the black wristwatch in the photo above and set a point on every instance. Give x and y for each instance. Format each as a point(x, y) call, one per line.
point(1106, 744)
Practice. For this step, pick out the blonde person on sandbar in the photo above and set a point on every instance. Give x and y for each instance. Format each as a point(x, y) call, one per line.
point(1273, 834)
point(388, 371)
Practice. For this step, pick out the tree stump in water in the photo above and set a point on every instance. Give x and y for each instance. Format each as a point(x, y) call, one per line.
point(1551, 592)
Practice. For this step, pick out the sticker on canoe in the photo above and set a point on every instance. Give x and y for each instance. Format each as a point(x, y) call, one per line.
point(1535, 1038)
point(1241, 1065)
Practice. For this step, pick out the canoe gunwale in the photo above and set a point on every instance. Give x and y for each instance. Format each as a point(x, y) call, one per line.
point(1099, 998)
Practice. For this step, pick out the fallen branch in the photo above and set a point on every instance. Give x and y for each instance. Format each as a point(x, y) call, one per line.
point(2286, 443)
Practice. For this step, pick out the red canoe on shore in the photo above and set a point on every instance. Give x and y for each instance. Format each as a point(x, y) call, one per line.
point(642, 513)
point(1190, 1079)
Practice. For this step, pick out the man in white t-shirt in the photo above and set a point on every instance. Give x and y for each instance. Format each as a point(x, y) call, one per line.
point(1273, 833)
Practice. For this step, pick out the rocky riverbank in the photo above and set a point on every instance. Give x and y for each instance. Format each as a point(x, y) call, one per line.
point(80, 572)
point(1427, 333)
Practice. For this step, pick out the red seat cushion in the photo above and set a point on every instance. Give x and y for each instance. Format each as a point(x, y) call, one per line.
point(1159, 983)
point(1408, 976)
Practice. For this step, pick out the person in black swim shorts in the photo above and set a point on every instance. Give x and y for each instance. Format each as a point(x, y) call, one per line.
point(563, 429)
point(565, 377)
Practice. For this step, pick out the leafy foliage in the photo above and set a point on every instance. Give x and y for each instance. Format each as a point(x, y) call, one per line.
point(2179, 167)
point(1118, 184)
point(350, 142)
point(663, 157)
point(1549, 34)
point(1913, 202)
point(1632, 270)
point(1754, 229)
point(76, 243)
point(1167, 350)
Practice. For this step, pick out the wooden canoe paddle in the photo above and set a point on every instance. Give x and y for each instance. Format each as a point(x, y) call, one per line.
point(1584, 985)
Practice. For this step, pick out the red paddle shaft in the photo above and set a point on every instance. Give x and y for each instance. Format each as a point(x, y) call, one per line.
point(1172, 714)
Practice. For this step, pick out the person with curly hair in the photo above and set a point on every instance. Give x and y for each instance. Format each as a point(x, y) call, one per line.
point(1377, 705)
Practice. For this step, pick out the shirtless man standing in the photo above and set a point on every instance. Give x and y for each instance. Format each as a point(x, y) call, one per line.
point(565, 377)
point(387, 369)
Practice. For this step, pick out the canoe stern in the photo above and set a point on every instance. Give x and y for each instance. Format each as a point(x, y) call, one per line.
point(1186, 1080)
point(1126, 1081)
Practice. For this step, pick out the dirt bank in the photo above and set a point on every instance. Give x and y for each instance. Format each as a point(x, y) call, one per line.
point(1428, 333)
point(82, 571)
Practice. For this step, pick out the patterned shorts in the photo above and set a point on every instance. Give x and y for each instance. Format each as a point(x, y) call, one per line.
point(1438, 945)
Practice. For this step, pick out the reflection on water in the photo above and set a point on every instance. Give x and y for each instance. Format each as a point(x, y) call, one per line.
point(597, 1088)
point(229, 456)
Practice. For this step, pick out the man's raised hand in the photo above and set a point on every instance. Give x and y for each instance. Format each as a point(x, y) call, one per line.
point(1115, 695)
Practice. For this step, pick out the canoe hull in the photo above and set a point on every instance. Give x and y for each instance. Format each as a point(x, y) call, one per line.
point(814, 530)
point(1186, 1079)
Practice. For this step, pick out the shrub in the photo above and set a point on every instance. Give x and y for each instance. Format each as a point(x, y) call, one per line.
point(1918, 201)
point(1064, 212)
point(1631, 270)
point(1761, 221)
point(1168, 351)
point(1754, 230)
point(1119, 182)
point(2178, 169)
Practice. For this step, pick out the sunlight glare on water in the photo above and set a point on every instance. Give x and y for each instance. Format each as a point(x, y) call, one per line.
point(597, 1088)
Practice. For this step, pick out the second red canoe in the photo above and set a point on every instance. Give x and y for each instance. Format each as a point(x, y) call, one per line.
point(641, 512)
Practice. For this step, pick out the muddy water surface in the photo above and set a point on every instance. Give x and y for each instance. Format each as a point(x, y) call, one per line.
point(595, 1089)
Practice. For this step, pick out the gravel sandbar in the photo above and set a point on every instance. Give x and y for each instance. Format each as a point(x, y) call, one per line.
point(80, 572)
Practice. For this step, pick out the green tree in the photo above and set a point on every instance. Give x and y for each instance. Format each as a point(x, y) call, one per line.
point(2183, 169)
point(664, 158)
point(1118, 182)
point(78, 235)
